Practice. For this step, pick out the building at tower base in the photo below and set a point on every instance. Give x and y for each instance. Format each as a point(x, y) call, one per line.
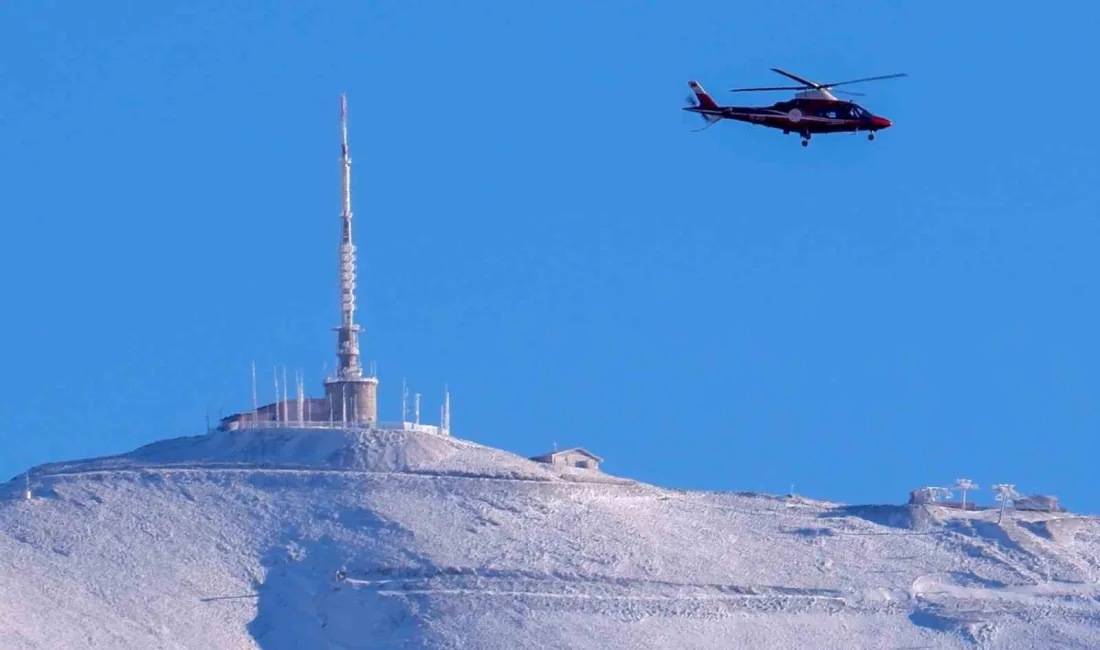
point(315, 413)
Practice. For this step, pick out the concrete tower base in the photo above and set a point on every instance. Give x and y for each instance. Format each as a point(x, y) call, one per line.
point(353, 400)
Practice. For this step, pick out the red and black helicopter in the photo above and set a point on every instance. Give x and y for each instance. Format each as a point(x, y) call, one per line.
point(814, 110)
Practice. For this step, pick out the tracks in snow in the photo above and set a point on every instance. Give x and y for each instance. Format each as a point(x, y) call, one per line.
point(200, 468)
point(639, 598)
point(604, 595)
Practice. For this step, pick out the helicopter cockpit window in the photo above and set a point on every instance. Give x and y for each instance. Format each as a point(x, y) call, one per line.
point(857, 112)
point(841, 113)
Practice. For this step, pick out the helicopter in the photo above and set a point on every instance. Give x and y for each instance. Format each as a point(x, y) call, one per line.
point(813, 110)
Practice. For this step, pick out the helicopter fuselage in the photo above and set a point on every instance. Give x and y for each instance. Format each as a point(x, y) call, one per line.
point(803, 116)
point(813, 110)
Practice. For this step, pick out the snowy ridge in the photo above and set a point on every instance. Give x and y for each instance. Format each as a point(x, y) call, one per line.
point(235, 540)
point(386, 450)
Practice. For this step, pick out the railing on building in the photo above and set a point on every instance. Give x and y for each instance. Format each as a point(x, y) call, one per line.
point(237, 425)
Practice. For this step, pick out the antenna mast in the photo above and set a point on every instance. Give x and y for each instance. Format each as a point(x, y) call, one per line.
point(301, 397)
point(357, 394)
point(349, 366)
point(404, 401)
point(445, 414)
point(255, 399)
point(278, 414)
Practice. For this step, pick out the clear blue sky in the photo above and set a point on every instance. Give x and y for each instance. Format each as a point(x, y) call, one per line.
point(540, 229)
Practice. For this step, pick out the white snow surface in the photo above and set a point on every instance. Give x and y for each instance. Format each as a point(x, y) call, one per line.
point(234, 540)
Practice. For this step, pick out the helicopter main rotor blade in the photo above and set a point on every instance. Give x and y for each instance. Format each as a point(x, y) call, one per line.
point(745, 90)
point(814, 85)
point(797, 78)
point(856, 81)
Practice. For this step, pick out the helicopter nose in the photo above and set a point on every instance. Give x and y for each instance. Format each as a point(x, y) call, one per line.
point(881, 122)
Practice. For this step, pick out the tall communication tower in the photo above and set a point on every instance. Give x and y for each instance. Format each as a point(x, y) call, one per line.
point(356, 393)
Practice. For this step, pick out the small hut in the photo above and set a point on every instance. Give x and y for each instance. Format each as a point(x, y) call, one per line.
point(575, 457)
point(1038, 502)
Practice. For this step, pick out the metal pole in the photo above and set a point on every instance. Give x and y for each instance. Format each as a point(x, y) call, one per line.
point(255, 399)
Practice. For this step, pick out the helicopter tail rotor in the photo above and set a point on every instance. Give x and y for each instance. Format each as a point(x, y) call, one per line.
point(698, 101)
point(691, 103)
point(701, 96)
point(710, 121)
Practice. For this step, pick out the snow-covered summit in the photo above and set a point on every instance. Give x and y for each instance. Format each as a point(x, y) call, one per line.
point(396, 539)
point(386, 450)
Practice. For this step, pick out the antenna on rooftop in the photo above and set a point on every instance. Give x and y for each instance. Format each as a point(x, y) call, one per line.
point(445, 412)
point(964, 485)
point(416, 410)
point(1005, 493)
point(404, 401)
point(301, 397)
point(286, 398)
point(255, 399)
point(275, 371)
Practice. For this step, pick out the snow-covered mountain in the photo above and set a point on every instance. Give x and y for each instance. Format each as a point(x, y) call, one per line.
point(239, 541)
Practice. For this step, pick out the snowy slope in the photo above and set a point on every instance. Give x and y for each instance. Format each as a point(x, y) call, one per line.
point(233, 541)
